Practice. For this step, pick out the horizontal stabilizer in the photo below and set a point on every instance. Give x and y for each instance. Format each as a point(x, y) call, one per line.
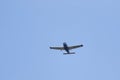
point(70, 53)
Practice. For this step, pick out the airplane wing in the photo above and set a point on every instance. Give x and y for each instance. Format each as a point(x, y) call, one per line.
point(73, 47)
point(57, 48)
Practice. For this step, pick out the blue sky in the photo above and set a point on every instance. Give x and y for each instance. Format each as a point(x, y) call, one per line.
point(29, 27)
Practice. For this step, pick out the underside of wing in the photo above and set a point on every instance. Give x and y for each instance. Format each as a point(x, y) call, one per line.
point(57, 48)
point(73, 47)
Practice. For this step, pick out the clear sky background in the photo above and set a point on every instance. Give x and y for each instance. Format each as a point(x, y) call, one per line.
point(29, 27)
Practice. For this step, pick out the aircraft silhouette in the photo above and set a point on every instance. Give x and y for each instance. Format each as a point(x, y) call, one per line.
point(67, 48)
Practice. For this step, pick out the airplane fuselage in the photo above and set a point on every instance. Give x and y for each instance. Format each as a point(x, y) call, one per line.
point(66, 47)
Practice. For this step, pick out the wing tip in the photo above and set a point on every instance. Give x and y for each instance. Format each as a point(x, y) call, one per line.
point(81, 45)
point(50, 47)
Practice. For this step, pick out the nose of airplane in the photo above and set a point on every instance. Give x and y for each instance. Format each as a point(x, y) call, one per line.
point(64, 42)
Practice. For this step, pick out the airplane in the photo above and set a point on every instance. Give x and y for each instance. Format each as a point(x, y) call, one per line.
point(67, 48)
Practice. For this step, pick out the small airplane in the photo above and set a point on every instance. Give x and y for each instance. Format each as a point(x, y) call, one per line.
point(67, 48)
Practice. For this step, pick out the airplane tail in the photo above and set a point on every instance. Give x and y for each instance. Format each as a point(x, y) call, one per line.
point(69, 53)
